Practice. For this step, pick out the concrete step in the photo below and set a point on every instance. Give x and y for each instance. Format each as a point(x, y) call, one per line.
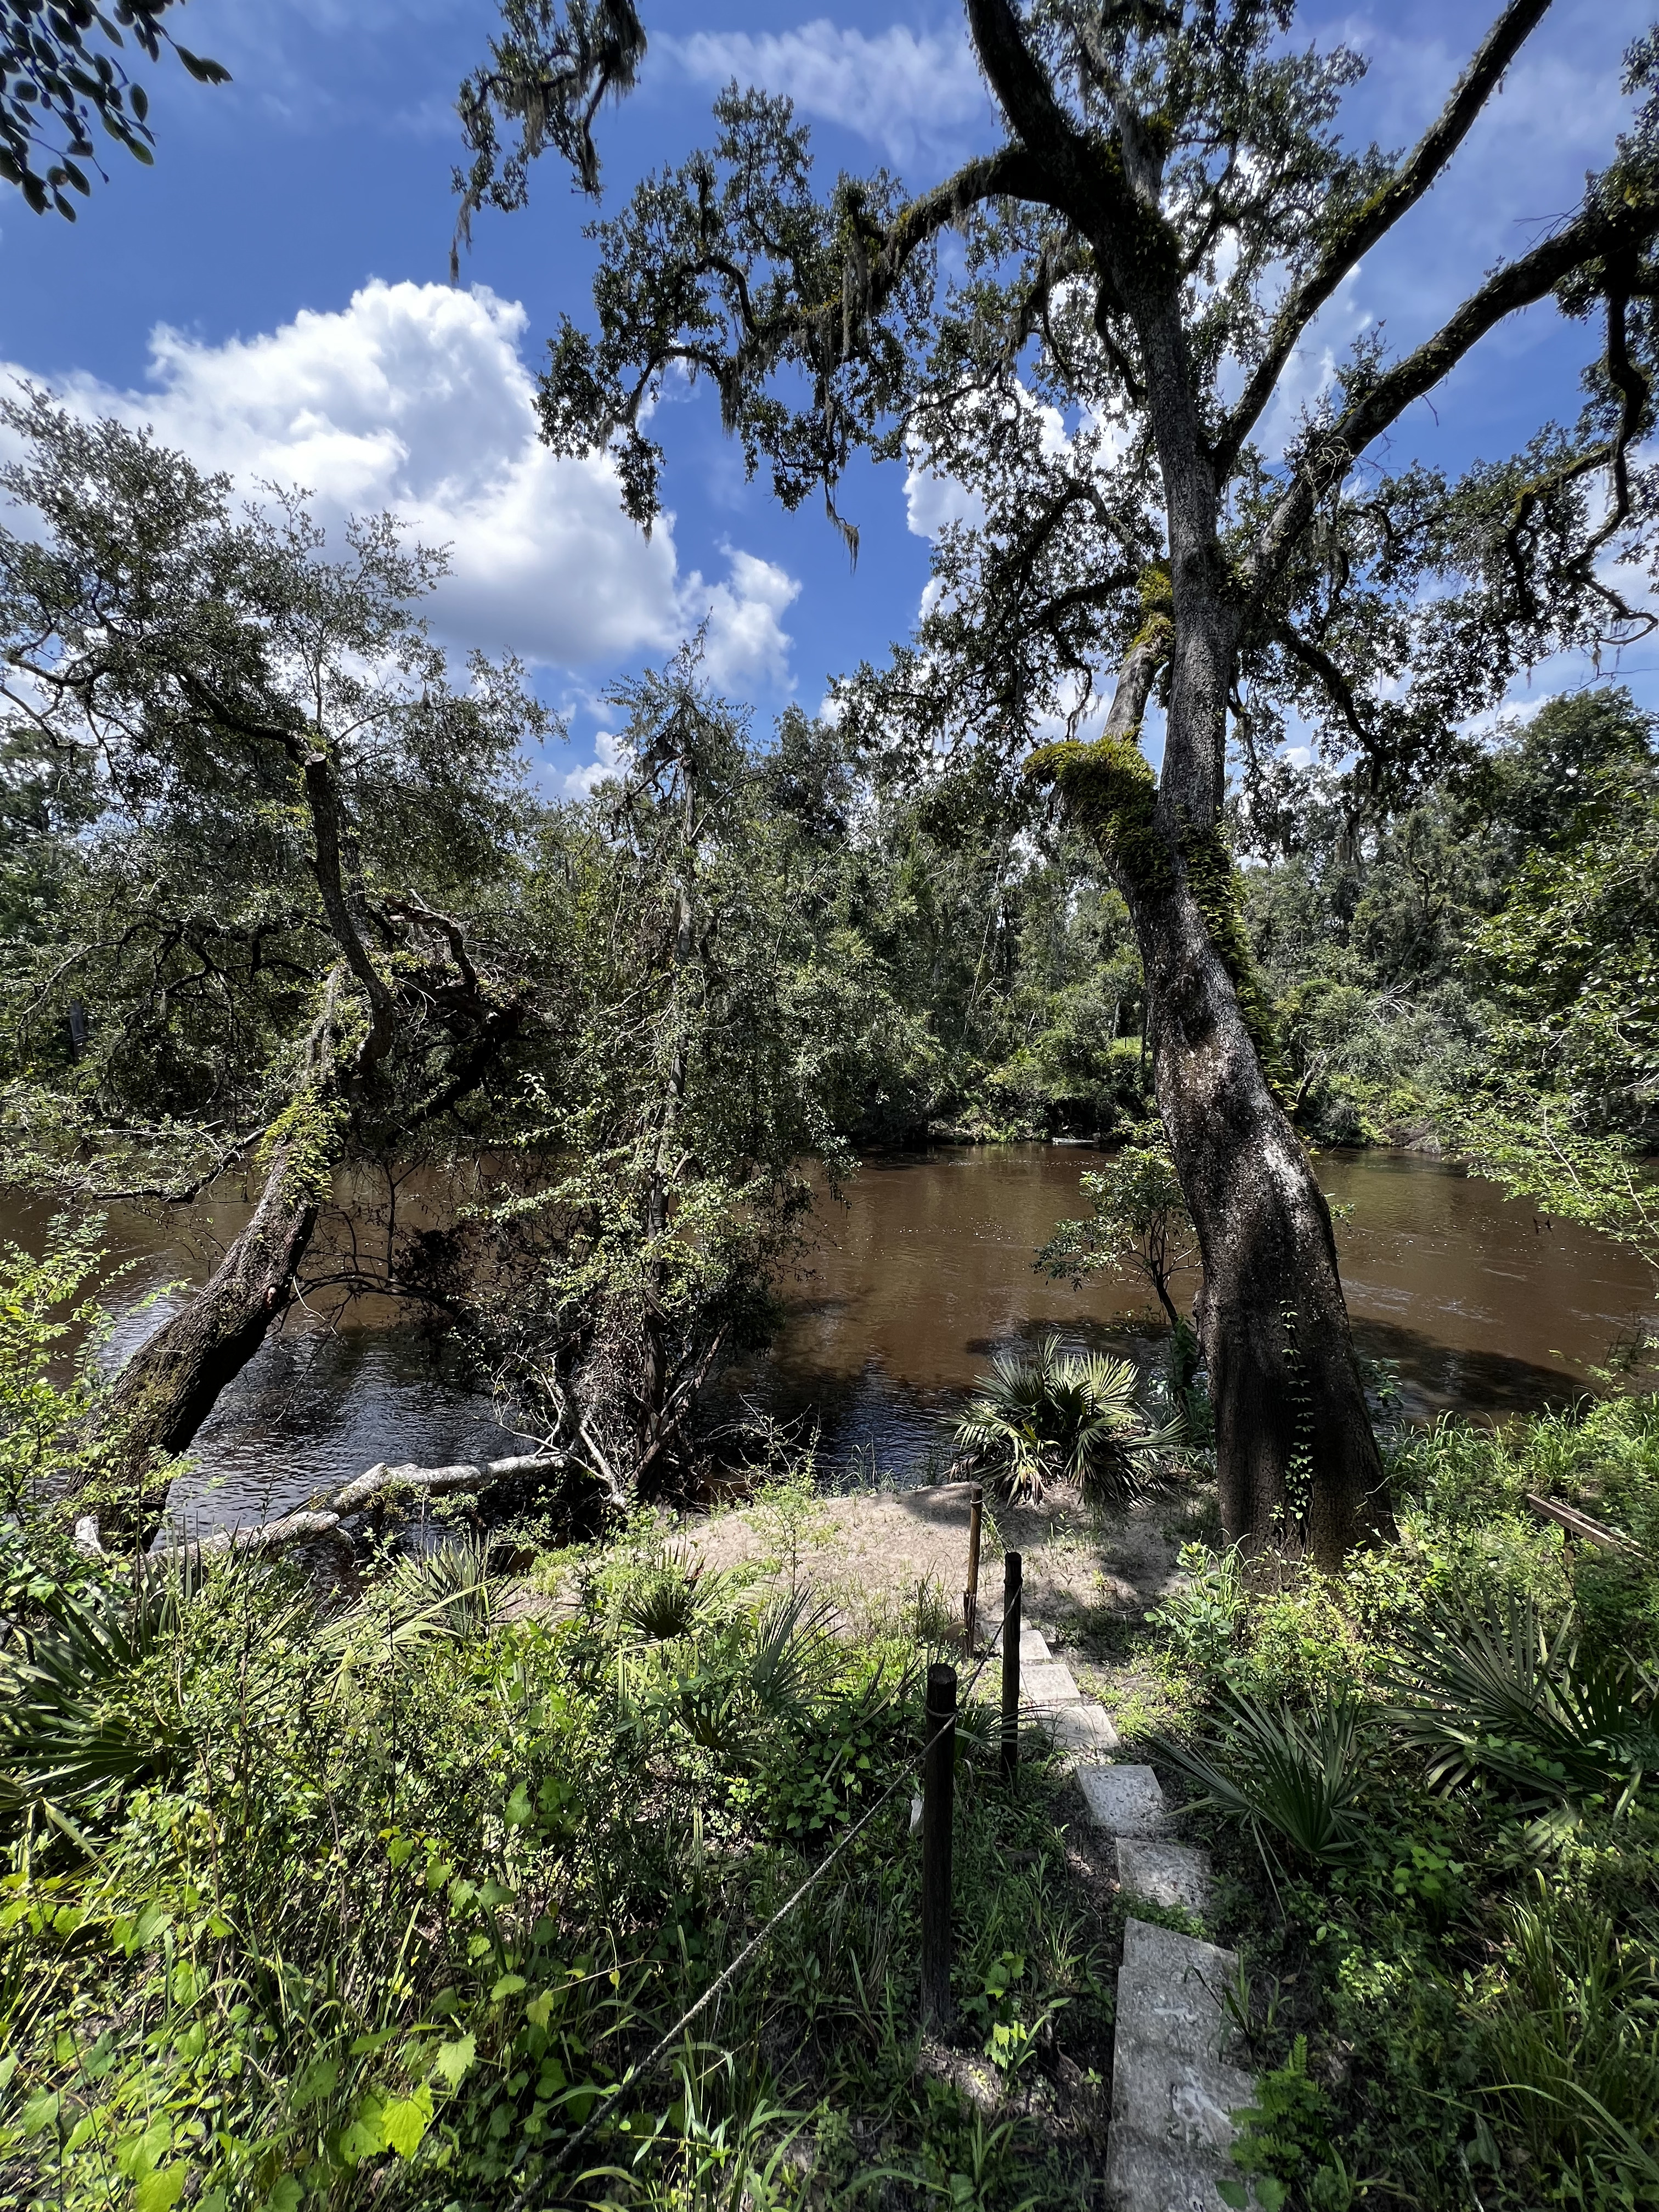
point(1183, 2105)
point(1165, 1874)
point(1176, 2082)
point(1051, 1684)
point(1124, 1799)
point(1033, 1644)
point(1079, 1727)
point(1170, 1992)
point(1142, 2177)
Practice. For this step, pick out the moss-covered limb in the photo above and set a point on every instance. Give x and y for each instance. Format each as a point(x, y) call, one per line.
point(1110, 790)
point(308, 1138)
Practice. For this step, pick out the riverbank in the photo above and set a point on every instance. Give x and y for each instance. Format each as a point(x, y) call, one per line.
point(1468, 1303)
point(384, 1901)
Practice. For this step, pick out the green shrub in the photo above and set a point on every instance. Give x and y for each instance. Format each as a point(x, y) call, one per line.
point(1292, 1783)
point(1445, 1760)
point(1060, 1417)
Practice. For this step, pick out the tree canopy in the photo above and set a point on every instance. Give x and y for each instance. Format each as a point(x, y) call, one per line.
point(1190, 155)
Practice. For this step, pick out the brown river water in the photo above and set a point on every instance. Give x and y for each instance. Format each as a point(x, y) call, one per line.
point(920, 1274)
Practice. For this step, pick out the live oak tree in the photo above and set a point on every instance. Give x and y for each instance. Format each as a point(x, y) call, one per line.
point(273, 831)
point(1169, 206)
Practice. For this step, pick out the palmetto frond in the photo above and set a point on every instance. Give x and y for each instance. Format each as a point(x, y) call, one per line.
point(71, 1728)
point(1290, 1783)
point(1503, 1693)
point(1059, 1416)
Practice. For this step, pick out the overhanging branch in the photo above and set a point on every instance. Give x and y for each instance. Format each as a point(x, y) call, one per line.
point(1379, 215)
point(1596, 233)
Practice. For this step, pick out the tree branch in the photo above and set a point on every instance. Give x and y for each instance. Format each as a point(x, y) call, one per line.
point(1319, 664)
point(322, 1515)
point(1135, 679)
point(1027, 99)
point(1379, 214)
point(1012, 172)
point(1595, 231)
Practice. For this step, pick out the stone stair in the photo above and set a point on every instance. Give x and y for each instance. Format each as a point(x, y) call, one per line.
point(1174, 2082)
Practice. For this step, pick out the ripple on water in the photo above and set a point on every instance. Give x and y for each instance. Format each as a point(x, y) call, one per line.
point(920, 1275)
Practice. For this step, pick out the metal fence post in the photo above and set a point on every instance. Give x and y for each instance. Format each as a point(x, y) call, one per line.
point(938, 1780)
point(970, 1595)
point(1013, 1567)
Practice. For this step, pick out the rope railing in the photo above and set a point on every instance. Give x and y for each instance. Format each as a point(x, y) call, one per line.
point(641, 2068)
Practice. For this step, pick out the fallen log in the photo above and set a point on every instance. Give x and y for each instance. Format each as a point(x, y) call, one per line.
point(324, 1513)
point(383, 1482)
point(1580, 1524)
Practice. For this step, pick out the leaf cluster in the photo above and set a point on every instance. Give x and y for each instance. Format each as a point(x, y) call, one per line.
point(57, 75)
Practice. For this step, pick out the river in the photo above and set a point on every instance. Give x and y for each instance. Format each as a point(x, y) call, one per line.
point(921, 1272)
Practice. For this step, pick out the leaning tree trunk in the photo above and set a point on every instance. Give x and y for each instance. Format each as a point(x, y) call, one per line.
point(167, 1388)
point(1296, 1458)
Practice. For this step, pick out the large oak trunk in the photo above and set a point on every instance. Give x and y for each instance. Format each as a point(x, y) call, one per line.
point(168, 1387)
point(1296, 1458)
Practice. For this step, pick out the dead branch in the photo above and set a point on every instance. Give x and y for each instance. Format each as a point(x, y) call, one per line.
point(323, 1514)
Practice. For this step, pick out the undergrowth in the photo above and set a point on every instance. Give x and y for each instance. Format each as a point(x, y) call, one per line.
point(373, 1905)
point(1427, 1785)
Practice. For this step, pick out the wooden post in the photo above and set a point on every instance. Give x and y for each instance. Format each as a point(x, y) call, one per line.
point(1013, 1567)
point(939, 1782)
point(970, 1595)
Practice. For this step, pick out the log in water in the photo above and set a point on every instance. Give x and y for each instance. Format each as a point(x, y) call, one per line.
point(921, 1274)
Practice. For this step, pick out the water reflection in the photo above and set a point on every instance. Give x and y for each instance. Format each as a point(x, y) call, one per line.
point(1481, 1306)
point(921, 1274)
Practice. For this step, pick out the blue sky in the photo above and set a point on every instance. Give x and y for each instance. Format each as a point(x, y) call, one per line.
point(273, 296)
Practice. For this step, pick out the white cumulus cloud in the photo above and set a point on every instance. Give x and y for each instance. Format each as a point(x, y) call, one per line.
point(912, 94)
point(611, 755)
point(744, 636)
point(414, 398)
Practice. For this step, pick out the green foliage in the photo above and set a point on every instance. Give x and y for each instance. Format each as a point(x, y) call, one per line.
point(1443, 1760)
point(1573, 2042)
point(277, 821)
point(306, 1899)
point(57, 74)
point(669, 1598)
point(1507, 1695)
point(1203, 1616)
point(1140, 1224)
point(724, 1025)
point(1473, 957)
point(1291, 1784)
point(1572, 955)
point(47, 1313)
point(1284, 2141)
point(1059, 1416)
